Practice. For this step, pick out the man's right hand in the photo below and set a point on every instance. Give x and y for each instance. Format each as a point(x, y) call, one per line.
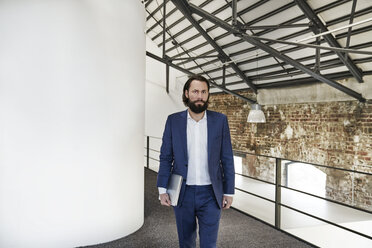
point(164, 200)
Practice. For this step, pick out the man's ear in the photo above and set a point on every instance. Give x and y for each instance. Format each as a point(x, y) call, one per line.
point(187, 93)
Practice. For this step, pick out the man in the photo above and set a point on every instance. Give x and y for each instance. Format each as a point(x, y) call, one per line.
point(197, 146)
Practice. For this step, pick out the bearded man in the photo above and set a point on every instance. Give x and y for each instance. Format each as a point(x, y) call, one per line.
point(196, 145)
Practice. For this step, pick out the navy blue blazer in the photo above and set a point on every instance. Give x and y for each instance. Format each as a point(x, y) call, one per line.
point(174, 158)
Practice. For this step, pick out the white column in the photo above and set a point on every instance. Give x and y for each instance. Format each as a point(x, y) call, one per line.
point(72, 77)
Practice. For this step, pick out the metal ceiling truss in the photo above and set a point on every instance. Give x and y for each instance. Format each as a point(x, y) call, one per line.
point(188, 8)
point(350, 22)
point(190, 26)
point(147, 2)
point(329, 64)
point(293, 82)
point(234, 16)
point(156, 10)
point(300, 81)
point(318, 25)
point(280, 72)
point(170, 64)
point(224, 7)
point(175, 23)
point(335, 49)
point(359, 13)
point(183, 7)
point(294, 20)
point(292, 49)
point(165, 30)
point(250, 8)
point(294, 68)
point(251, 49)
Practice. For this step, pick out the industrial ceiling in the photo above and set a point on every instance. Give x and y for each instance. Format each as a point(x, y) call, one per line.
point(250, 44)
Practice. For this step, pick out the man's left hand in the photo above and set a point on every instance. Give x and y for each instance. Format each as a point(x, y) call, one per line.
point(226, 201)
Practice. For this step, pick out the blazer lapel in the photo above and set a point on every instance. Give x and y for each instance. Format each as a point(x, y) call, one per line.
point(210, 132)
point(183, 128)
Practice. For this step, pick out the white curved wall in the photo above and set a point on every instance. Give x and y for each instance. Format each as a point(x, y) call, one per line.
point(72, 79)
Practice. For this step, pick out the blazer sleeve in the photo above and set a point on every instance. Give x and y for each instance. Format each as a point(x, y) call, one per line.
point(227, 160)
point(166, 156)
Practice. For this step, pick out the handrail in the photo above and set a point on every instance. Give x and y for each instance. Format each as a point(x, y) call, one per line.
point(154, 137)
point(306, 193)
point(326, 199)
point(278, 186)
point(152, 149)
point(258, 196)
point(254, 178)
point(298, 161)
point(327, 221)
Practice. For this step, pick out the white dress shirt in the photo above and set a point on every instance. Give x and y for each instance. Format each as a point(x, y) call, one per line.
point(197, 150)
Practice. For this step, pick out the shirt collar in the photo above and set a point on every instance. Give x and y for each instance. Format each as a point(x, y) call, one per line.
point(202, 119)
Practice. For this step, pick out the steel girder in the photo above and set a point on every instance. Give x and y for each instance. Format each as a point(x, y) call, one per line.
point(274, 52)
point(302, 81)
point(169, 63)
point(259, 3)
point(294, 72)
point(291, 21)
point(250, 8)
point(183, 7)
point(318, 25)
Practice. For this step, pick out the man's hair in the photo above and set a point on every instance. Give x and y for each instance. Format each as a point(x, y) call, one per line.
point(187, 86)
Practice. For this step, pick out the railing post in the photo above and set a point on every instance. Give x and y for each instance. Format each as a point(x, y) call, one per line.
point(278, 195)
point(148, 151)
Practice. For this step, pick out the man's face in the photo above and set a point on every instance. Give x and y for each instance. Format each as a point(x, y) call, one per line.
point(198, 96)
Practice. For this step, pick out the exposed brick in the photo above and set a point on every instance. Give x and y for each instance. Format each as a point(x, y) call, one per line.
point(336, 134)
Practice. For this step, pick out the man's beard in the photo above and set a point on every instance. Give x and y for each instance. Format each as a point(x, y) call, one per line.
point(198, 108)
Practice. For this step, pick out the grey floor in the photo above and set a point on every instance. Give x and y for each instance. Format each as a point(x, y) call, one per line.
point(236, 229)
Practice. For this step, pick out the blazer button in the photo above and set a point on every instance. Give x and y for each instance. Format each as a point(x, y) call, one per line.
point(186, 165)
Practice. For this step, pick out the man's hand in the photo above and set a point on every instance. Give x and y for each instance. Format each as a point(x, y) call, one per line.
point(164, 200)
point(226, 201)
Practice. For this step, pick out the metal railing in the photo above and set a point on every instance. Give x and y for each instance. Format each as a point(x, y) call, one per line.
point(278, 187)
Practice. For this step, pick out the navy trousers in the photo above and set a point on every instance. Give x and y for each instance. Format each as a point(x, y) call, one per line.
point(198, 206)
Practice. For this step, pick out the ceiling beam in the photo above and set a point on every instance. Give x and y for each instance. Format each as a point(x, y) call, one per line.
point(251, 49)
point(291, 72)
point(302, 59)
point(335, 49)
point(278, 26)
point(190, 27)
point(183, 7)
point(318, 25)
point(274, 52)
point(264, 32)
point(174, 10)
point(350, 22)
point(170, 35)
point(297, 82)
point(169, 63)
point(147, 3)
point(250, 8)
point(265, 56)
point(156, 10)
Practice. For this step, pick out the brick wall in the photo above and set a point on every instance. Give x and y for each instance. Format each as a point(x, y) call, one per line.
point(337, 134)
